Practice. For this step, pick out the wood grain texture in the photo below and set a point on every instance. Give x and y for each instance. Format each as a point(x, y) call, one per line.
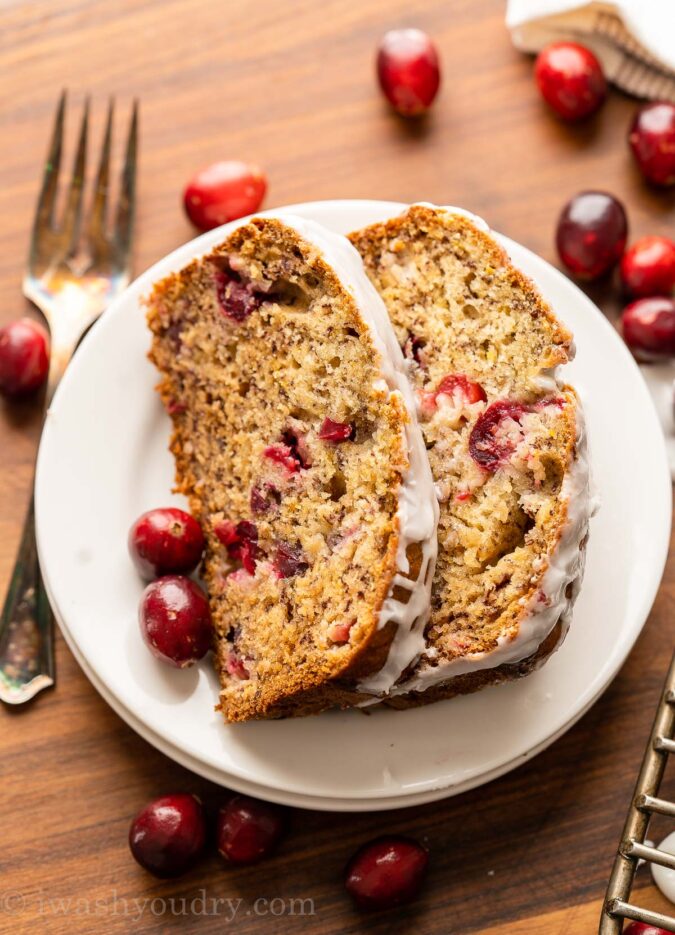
point(291, 86)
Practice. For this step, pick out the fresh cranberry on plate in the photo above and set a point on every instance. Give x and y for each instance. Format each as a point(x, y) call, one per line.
point(648, 327)
point(175, 620)
point(652, 140)
point(408, 70)
point(386, 872)
point(648, 267)
point(165, 542)
point(168, 835)
point(591, 234)
point(570, 79)
point(24, 357)
point(248, 829)
point(643, 928)
point(223, 192)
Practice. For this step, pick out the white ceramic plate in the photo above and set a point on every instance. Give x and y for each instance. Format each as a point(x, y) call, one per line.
point(103, 460)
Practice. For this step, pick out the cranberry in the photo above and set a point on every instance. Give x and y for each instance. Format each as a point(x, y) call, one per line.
point(289, 560)
point(489, 445)
point(570, 79)
point(339, 632)
point(459, 388)
point(648, 327)
point(223, 192)
point(166, 542)
point(336, 431)
point(591, 236)
point(457, 385)
point(248, 829)
point(24, 357)
point(238, 300)
point(299, 448)
point(264, 497)
point(174, 407)
point(408, 70)
point(175, 620)
point(386, 872)
point(648, 267)
point(643, 928)
point(652, 139)
point(168, 835)
point(241, 542)
point(285, 455)
point(235, 666)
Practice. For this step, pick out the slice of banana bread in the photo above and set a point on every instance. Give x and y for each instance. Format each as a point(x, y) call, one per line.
point(297, 445)
point(506, 444)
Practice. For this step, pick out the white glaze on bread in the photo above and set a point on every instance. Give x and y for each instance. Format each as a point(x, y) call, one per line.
point(418, 506)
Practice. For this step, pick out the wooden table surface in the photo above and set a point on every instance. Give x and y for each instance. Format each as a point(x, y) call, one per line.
point(291, 86)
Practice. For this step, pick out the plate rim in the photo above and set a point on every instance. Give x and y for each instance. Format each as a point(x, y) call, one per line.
point(198, 245)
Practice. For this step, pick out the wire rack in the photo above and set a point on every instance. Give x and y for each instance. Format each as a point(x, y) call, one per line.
point(644, 804)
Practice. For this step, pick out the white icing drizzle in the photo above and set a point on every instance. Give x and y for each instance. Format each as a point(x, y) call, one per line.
point(417, 504)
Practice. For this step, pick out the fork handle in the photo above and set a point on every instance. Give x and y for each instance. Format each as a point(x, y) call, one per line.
point(26, 625)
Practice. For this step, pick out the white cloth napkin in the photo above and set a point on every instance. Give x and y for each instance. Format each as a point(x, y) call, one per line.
point(634, 39)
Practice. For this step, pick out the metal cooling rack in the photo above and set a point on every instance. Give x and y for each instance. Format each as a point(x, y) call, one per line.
point(645, 803)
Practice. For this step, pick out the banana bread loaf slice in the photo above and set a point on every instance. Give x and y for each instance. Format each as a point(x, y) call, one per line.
point(506, 443)
point(297, 444)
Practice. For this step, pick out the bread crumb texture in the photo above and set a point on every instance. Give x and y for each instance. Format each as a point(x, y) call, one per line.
point(292, 453)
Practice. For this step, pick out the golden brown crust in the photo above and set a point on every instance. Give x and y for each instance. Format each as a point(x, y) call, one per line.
point(472, 682)
point(233, 388)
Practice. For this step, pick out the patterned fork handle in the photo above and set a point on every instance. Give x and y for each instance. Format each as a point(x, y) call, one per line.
point(26, 626)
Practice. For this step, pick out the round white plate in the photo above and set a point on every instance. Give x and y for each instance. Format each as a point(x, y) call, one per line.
point(103, 460)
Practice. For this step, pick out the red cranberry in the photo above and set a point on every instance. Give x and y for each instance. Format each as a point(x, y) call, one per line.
point(174, 407)
point(299, 448)
point(652, 139)
point(285, 456)
point(462, 391)
point(408, 70)
point(591, 236)
point(223, 192)
point(648, 327)
point(457, 385)
point(249, 830)
point(489, 445)
point(24, 357)
point(166, 542)
point(386, 872)
point(570, 79)
point(168, 835)
point(235, 666)
point(642, 928)
point(175, 620)
point(289, 560)
point(241, 542)
point(339, 632)
point(336, 431)
point(238, 300)
point(648, 267)
point(264, 497)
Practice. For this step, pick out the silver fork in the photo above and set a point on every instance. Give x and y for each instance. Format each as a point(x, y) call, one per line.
point(72, 274)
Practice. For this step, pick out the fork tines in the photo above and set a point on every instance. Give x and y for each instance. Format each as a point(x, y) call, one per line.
point(68, 230)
